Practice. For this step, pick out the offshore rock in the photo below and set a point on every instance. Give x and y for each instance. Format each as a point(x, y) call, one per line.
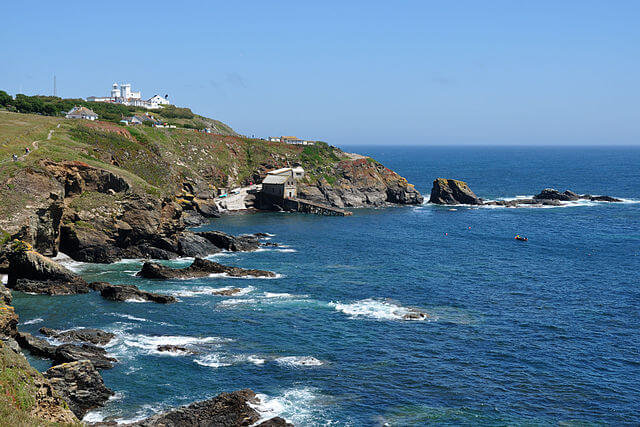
point(30, 271)
point(73, 353)
point(553, 194)
point(452, 192)
point(231, 243)
point(132, 293)
point(80, 385)
point(93, 336)
point(226, 409)
point(227, 292)
point(199, 268)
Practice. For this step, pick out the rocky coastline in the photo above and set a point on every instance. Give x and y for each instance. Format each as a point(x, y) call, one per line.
point(455, 192)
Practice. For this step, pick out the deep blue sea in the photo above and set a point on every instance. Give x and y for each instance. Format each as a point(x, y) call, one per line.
point(542, 332)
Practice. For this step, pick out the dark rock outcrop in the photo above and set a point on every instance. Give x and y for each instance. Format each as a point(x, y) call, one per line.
point(231, 243)
point(30, 271)
point(80, 385)
point(553, 194)
point(72, 353)
point(226, 409)
point(193, 245)
point(452, 192)
point(131, 292)
point(93, 336)
point(275, 422)
point(36, 346)
point(199, 268)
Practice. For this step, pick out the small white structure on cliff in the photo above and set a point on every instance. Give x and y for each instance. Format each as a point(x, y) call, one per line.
point(81, 113)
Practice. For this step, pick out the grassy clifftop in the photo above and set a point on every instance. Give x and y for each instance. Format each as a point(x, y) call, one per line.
point(155, 161)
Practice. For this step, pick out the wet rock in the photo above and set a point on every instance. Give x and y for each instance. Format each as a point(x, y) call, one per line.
point(175, 349)
point(192, 245)
point(207, 208)
point(452, 192)
point(553, 194)
point(199, 268)
point(414, 314)
point(270, 244)
point(93, 336)
point(30, 271)
point(80, 385)
point(231, 243)
point(604, 199)
point(72, 353)
point(36, 346)
point(226, 409)
point(275, 422)
point(227, 292)
point(131, 292)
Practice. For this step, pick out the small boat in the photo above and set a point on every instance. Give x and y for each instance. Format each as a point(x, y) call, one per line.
point(521, 238)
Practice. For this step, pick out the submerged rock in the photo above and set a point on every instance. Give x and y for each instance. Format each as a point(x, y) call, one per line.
point(93, 336)
point(452, 192)
point(80, 385)
point(231, 243)
point(199, 268)
point(227, 292)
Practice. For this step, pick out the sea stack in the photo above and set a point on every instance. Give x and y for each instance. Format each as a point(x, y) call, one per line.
point(452, 192)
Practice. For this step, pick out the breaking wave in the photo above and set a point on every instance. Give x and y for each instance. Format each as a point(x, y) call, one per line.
point(378, 309)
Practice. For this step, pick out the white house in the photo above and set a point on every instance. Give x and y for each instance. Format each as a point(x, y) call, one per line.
point(157, 99)
point(273, 139)
point(297, 172)
point(81, 113)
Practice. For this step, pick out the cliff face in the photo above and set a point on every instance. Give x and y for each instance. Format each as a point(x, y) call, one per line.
point(99, 191)
point(361, 182)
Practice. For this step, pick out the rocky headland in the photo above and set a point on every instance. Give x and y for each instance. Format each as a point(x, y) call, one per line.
point(456, 192)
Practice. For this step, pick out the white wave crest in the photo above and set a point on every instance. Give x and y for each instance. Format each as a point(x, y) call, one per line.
point(32, 321)
point(298, 361)
point(203, 290)
point(298, 406)
point(378, 309)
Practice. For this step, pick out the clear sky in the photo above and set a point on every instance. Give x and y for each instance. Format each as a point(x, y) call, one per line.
point(349, 72)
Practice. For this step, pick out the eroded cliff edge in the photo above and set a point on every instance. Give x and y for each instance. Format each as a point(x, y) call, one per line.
point(100, 192)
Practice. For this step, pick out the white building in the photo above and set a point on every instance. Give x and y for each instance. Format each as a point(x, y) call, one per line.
point(81, 113)
point(297, 172)
point(123, 94)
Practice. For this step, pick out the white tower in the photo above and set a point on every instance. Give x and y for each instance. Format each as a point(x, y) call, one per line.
point(115, 92)
point(125, 91)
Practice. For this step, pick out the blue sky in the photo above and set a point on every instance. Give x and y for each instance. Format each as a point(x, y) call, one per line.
point(404, 72)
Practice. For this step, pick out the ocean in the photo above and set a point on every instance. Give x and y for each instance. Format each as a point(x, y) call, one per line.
point(539, 332)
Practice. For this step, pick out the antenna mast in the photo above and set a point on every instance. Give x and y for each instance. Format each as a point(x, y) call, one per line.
point(54, 85)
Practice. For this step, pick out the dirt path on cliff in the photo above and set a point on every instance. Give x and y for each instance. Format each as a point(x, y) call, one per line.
point(35, 146)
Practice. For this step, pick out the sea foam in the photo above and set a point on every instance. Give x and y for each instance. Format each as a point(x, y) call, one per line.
point(376, 309)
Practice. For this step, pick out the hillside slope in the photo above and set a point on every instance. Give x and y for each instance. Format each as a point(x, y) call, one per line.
point(100, 191)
